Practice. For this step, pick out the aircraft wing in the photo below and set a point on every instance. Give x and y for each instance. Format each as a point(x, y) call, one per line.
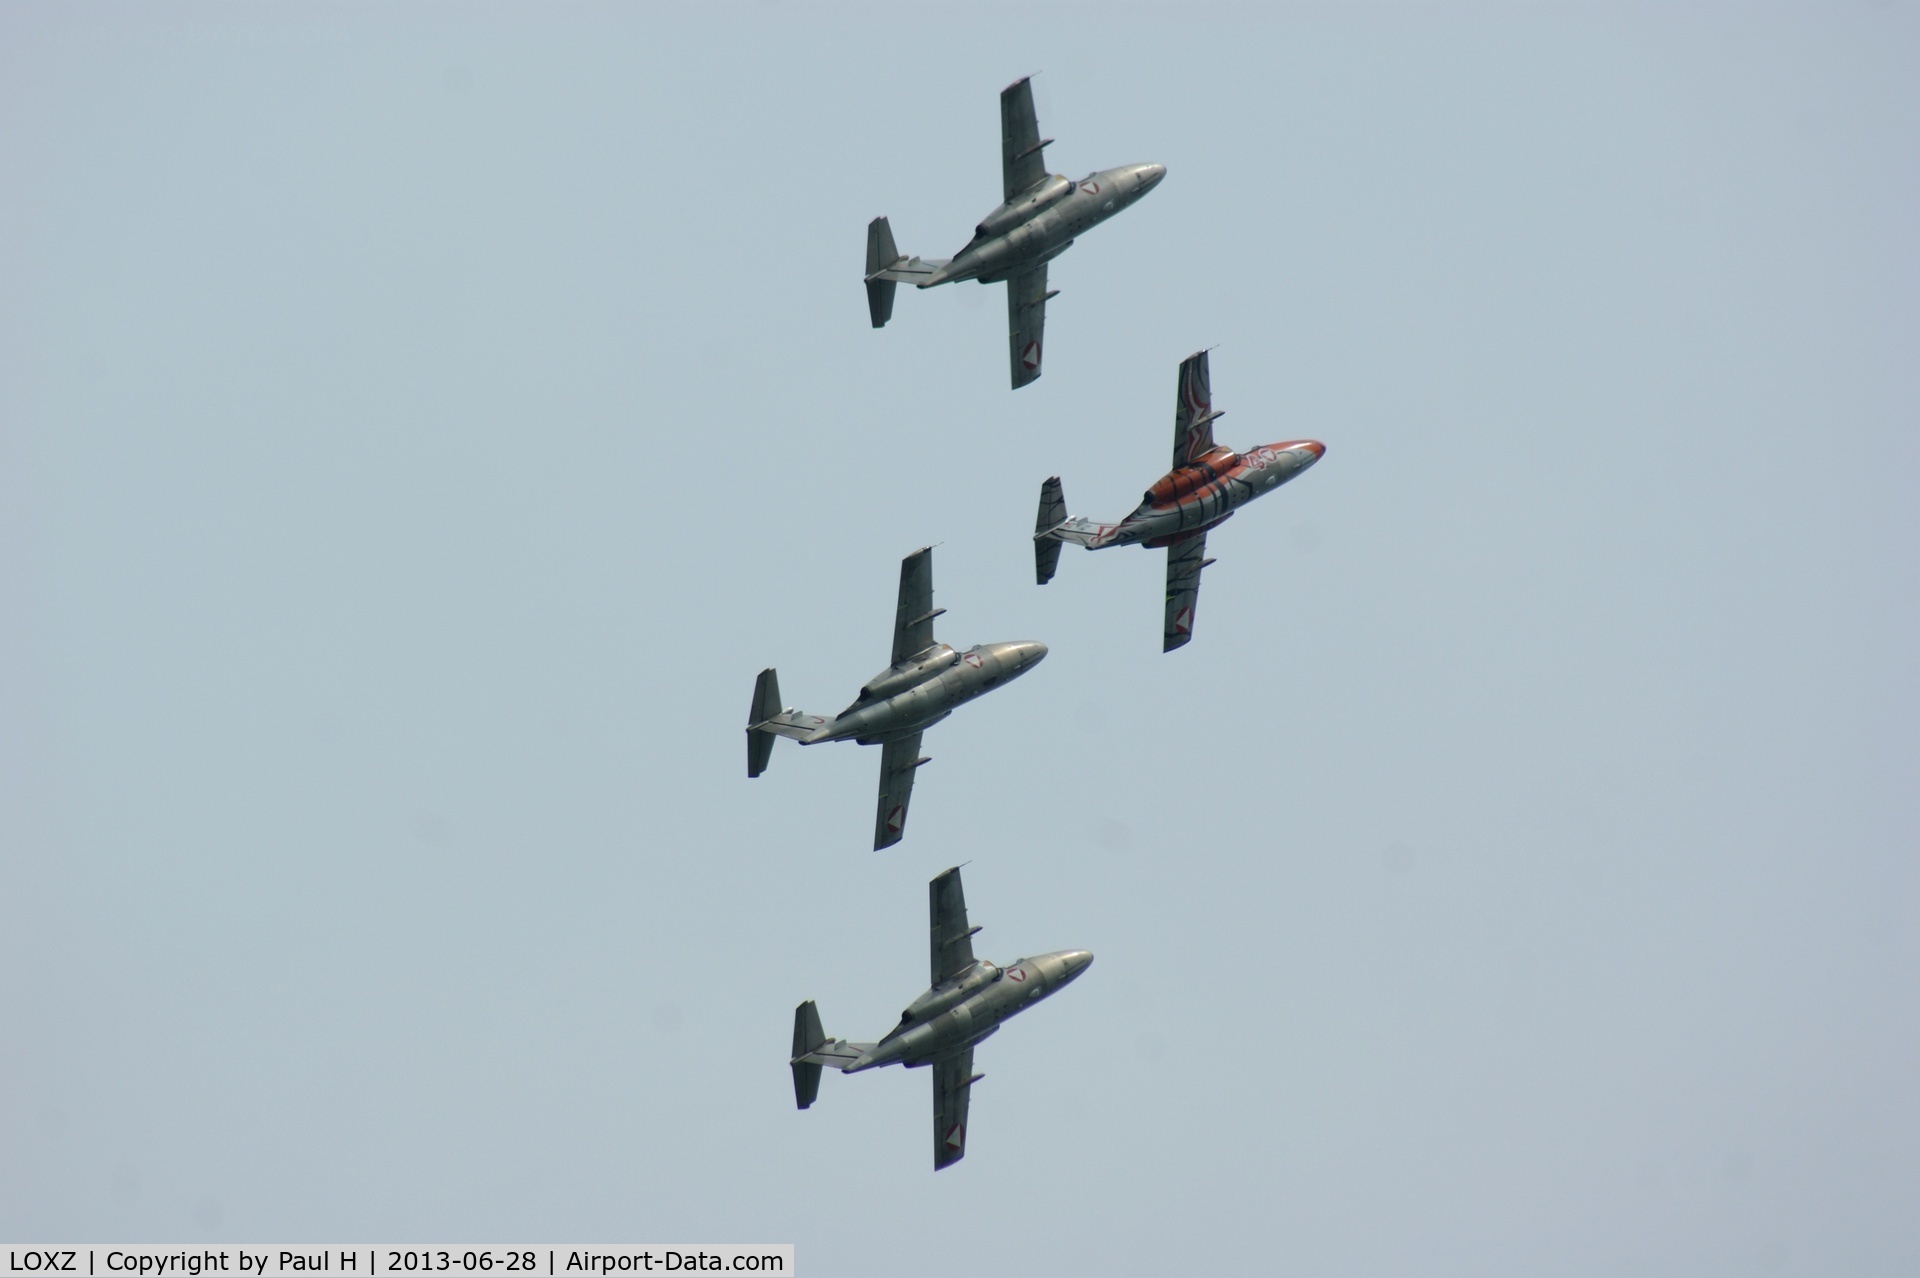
point(1185, 559)
point(947, 924)
point(914, 613)
point(899, 760)
point(953, 1080)
point(1193, 413)
point(1026, 322)
point(1022, 161)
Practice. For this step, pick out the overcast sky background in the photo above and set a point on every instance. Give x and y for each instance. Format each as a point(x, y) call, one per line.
point(419, 424)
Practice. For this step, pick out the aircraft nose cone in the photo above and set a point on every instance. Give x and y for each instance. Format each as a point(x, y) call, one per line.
point(1032, 652)
point(1077, 961)
point(1150, 175)
point(1315, 447)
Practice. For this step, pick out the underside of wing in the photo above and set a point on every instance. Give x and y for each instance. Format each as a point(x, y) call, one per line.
point(953, 1080)
point(1185, 559)
point(1022, 158)
point(952, 938)
point(1026, 323)
point(913, 614)
point(899, 760)
point(1193, 413)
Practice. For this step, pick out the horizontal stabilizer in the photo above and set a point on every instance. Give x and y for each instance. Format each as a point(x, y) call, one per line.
point(812, 1050)
point(910, 270)
point(766, 720)
point(795, 725)
point(1081, 532)
point(887, 267)
point(837, 1053)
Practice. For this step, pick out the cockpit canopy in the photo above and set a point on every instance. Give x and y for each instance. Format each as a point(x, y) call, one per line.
point(1049, 190)
point(1176, 484)
point(895, 680)
point(947, 993)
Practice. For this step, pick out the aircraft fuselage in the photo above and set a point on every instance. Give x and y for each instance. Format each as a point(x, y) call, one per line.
point(958, 1013)
point(919, 692)
point(1040, 224)
point(1195, 497)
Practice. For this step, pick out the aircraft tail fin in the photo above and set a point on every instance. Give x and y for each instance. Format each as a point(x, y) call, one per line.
point(1053, 513)
point(882, 252)
point(887, 267)
point(766, 707)
point(813, 1050)
point(766, 720)
point(1052, 527)
point(807, 1037)
point(880, 301)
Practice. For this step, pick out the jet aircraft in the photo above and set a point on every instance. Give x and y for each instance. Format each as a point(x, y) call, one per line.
point(922, 686)
point(1207, 484)
point(968, 1000)
point(1038, 220)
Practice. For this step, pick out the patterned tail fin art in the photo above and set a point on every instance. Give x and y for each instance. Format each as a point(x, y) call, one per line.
point(1193, 411)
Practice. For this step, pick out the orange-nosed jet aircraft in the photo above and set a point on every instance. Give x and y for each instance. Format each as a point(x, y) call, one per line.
point(1207, 484)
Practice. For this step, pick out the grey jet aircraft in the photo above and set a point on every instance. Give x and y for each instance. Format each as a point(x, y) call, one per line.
point(1207, 484)
point(926, 681)
point(968, 1000)
point(1041, 215)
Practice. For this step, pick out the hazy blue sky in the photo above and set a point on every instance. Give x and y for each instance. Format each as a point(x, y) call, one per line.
point(419, 423)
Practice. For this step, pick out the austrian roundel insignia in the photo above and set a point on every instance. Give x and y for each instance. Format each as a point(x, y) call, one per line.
point(1030, 357)
point(895, 817)
point(956, 1136)
point(973, 659)
point(1017, 975)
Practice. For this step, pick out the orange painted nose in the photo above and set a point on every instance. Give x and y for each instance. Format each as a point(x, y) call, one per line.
point(1315, 447)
